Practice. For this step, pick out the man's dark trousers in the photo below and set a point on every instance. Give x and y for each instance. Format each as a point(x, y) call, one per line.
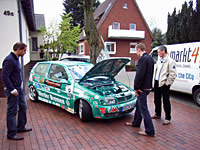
point(12, 104)
point(165, 92)
point(143, 112)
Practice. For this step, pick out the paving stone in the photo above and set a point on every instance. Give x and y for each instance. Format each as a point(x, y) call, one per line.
point(57, 129)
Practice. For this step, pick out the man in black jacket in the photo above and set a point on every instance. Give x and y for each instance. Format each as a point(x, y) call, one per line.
point(142, 87)
point(16, 105)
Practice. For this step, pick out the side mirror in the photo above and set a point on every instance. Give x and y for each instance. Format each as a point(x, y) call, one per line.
point(64, 81)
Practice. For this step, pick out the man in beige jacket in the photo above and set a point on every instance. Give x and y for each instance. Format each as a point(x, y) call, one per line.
point(165, 74)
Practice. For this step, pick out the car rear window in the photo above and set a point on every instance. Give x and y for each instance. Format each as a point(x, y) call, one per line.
point(41, 69)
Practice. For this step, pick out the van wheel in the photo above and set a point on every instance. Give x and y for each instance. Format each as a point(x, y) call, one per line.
point(33, 95)
point(85, 112)
point(196, 97)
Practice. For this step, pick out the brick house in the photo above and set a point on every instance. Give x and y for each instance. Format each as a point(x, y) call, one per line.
point(122, 26)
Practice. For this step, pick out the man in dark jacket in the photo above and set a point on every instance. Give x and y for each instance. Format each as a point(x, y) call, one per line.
point(16, 105)
point(142, 87)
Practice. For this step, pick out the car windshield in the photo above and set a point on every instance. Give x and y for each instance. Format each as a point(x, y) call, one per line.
point(78, 71)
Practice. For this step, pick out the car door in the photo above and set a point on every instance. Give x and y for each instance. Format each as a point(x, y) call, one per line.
point(58, 94)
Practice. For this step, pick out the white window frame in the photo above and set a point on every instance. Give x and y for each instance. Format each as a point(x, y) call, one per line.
point(109, 43)
point(133, 50)
point(131, 25)
point(125, 6)
point(81, 51)
point(118, 25)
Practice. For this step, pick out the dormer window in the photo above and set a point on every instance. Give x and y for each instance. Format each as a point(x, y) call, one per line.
point(125, 6)
point(116, 25)
point(132, 26)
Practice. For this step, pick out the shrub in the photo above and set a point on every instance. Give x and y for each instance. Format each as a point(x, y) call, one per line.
point(130, 68)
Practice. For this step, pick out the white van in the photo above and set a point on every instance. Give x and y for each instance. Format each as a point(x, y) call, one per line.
point(187, 57)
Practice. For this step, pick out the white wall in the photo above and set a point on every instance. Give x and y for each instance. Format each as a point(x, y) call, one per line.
point(9, 29)
point(26, 39)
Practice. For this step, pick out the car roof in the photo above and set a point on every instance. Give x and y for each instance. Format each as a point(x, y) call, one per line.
point(68, 63)
point(74, 56)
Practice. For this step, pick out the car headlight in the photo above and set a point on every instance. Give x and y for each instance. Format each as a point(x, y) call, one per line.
point(110, 100)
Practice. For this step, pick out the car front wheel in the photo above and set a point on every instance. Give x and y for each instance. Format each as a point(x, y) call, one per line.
point(85, 112)
point(197, 97)
point(33, 95)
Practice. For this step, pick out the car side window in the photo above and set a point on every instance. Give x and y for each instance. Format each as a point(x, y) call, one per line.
point(57, 72)
point(41, 69)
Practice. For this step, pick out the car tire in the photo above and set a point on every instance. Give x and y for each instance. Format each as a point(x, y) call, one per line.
point(33, 94)
point(85, 112)
point(196, 97)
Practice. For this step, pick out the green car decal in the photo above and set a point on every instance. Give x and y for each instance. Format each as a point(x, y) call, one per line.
point(83, 88)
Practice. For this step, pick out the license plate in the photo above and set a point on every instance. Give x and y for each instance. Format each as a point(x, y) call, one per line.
point(125, 108)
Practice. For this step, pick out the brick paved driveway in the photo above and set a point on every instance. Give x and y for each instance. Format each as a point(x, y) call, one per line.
point(54, 128)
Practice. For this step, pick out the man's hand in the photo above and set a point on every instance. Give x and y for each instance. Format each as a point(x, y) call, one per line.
point(137, 92)
point(15, 93)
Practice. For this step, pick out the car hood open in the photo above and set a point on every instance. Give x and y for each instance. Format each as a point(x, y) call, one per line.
point(108, 67)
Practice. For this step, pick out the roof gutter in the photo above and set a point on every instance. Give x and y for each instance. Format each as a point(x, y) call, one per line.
point(20, 37)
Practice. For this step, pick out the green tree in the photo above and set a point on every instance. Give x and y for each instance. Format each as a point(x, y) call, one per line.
point(190, 22)
point(173, 32)
point(61, 37)
point(185, 25)
point(75, 8)
point(158, 37)
point(92, 34)
point(170, 28)
point(50, 35)
point(196, 21)
point(68, 35)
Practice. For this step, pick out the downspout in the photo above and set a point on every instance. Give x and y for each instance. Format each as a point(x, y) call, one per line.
point(20, 37)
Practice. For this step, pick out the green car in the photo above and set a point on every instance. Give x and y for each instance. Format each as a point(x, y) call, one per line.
point(84, 88)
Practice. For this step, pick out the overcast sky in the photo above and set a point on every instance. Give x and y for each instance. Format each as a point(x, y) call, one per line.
point(154, 11)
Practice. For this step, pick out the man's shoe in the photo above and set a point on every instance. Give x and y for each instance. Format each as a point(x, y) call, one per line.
point(155, 117)
point(166, 122)
point(16, 137)
point(24, 130)
point(130, 124)
point(144, 133)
